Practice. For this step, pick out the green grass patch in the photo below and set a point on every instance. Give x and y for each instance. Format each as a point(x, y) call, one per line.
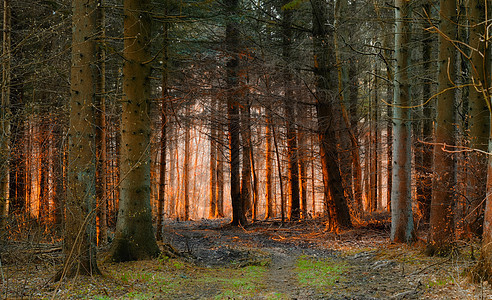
point(319, 273)
point(234, 282)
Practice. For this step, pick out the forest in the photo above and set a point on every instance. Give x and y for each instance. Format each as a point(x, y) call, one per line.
point(245, 149)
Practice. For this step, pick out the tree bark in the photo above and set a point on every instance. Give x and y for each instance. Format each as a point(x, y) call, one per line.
point(479, 119)
point(80, 236)
point(289, 108)
point(186, 167)
point(213, 160)
point(164, 125)
point(441, 214)
point(246, 157)
point(134, 237)
point(101, 151)
point(270, 211)
point(232, 82)
point(401, 198)
point(326, 92)
point(424, 171)
point(5, 118)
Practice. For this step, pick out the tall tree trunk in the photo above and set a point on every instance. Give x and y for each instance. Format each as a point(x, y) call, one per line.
point(289, 107)
point(80, 235)
point(479, 119)
point(219, 211)
point(326, 93)
point(164, 122)
point(101, 152)
point(246, 163)
point(5, 118)
point(441, 214)
point(302, 155)
point(134, 237)
point(232, 77)
point(213, 159)
point(270, 211)
point(424, 184)
point(172, 168)
point(401, 198)
point(373, 146)
point(483, 270)
point(186, 167)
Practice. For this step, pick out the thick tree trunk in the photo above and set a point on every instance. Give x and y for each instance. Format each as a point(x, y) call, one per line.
point(134, 237)
point(326, 93)
point(80, 235)
point(441, 214)
point(401, 198)
point(232, 81)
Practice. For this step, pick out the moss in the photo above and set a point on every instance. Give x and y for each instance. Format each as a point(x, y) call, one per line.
point(319, 273)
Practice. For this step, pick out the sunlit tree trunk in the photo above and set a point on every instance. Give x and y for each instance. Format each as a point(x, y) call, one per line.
point(232, 82)
point(401, 198)
point(134, 237)
point(219, 211)
point(5, 118)
point(441, 214)
point(326, 93)
point(479, 119)
point(80, 235)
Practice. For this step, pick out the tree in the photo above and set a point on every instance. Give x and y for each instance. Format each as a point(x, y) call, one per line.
point(80, 236)
point(233, 123)
point(441, 214)
point(213, 161)
point(5, 118)
point(101, 134)
point(479, 119)
point(164, 126)
point(401, 200)
point(289, 107)
point(326, 92)
point(134, 236)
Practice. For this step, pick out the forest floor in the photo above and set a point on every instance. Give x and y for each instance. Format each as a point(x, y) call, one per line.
point(264, 260)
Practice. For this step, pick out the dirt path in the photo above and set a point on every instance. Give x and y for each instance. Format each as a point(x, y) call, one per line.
point(262, 261)
point(368, 266)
